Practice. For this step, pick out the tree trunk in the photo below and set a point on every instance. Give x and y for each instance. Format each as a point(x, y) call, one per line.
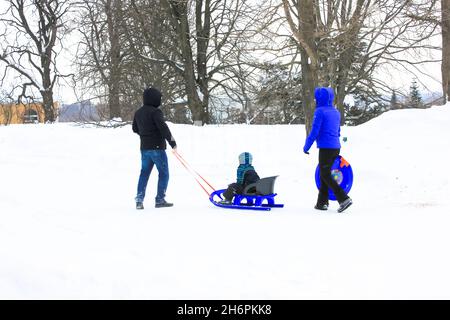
point(114, 98)
point(309, 60)
point(445, 66)
point(113, 12)
point(47, 91)
point(205, 108)
point(49, 110)
point(195, 103)
point(203, 27)
point(309, 83)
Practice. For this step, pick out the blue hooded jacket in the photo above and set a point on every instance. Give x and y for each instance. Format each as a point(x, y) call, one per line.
point(326, 128)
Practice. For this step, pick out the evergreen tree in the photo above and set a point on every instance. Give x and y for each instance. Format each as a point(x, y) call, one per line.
point(394, 101)
point(415, 98)
point(279, 96)
point(363, 109)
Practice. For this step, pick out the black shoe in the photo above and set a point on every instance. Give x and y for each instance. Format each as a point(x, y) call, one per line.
point(225, 202)
point(139, 205)
point(321, 207)
point(345, 204)
point(163, 204)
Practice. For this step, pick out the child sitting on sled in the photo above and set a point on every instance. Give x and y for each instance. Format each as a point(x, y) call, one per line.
point(246, 175)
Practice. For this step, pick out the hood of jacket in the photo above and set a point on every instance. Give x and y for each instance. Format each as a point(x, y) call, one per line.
point(152, 97)
point(245, 158)
point(324, 97)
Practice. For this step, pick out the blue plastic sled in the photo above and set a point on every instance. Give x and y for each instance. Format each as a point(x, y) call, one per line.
point(262, 198)
point(342, 172)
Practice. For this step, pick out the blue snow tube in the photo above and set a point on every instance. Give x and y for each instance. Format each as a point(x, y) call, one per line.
point(341, 172)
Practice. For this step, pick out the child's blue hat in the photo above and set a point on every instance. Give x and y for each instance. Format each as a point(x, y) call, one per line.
point(245, 158)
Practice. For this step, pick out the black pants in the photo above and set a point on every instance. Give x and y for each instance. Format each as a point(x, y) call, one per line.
point(234, 188)
point(326, 159)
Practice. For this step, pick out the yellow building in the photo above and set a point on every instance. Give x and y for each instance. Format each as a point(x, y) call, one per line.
point(22, 113)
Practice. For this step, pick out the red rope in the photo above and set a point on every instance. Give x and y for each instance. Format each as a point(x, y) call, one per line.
point(189, 169)
point(198, 174)
point(186, 165)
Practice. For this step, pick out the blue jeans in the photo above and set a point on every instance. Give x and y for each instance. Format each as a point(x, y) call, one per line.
point(150, 158)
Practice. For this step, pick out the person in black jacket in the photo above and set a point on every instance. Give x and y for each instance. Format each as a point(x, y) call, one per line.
point(246, 175)
point(149, 124)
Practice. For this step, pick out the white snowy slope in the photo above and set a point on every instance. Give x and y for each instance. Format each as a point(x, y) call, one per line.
point(69, 228)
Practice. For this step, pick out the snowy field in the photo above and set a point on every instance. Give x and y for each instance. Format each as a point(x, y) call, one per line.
point(69, 228)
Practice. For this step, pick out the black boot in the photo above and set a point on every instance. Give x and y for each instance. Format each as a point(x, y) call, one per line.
point(322, 203)
point(225, 202)
point(163, 204)
point(139, 205)
point(321, 207)
point(345, 204)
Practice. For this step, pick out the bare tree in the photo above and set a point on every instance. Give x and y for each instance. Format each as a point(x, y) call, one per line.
point(204, 38)
point(326, 33)
point(122, 51)
point(33, 31)
point(342, 43)
point(193, 50)
point(114, 18)
point(100, 55)
point(179, 14)
point(153, 57)
point(243, 66)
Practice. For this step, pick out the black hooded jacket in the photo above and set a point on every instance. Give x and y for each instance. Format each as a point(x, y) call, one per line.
point(149, 123)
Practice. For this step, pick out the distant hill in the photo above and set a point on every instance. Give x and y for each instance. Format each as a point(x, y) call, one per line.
point(78, 112)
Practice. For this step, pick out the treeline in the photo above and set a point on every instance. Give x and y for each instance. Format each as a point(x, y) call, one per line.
point(215, 61)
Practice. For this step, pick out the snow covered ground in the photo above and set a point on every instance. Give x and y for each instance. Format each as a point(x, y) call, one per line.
point(69, 229)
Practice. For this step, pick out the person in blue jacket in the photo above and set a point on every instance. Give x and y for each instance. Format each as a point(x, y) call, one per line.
point(326, 132)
